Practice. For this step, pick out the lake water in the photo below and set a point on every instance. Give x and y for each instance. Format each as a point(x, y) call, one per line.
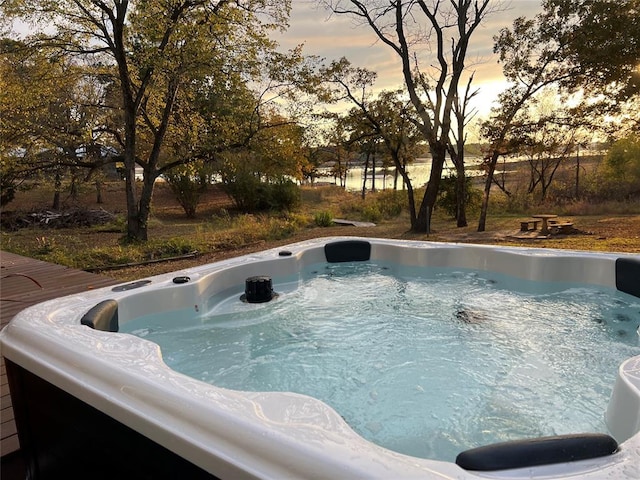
point(419, 173)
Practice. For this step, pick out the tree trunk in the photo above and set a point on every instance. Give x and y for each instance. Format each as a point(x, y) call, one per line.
point(73, 189)
point(423, 220)
point(56, 194)
point(373, 173)
point(412, 207)
point(551, 170)
point(364, 181)
point(134, 231)
point(345, 173)
point(487, 190)
point(577, 194)
point(457, 156)
point(413, 216)
point(98, 184)
point(461, 195)
point(56, 200)
point(145, 204)
point(402, 170)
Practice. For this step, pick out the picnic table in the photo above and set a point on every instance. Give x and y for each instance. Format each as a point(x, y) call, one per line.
point(526, 225)
point(545, 217)
point(560, 227)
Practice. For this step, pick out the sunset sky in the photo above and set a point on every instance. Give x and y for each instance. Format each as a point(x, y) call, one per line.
point(333, 37)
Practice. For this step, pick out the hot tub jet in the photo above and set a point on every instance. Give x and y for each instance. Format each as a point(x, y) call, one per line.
point(258, 289)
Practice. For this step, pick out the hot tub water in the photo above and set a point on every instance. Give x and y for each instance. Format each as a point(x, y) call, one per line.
point(426, 362)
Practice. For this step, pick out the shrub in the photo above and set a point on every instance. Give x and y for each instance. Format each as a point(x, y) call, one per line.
point(117, 225)
point(623, 160)
point(280, 228)
point(283, 194)
point(371, 213)
point(323, 219)
point(188, 183)
point(246, 191)
point(45, 245)
point(391, 202)
point(250, 194)
point(448, 196)
point(222, 220)
point(298, 219)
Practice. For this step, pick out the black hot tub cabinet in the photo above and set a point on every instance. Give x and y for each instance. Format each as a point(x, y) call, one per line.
point(91, 402)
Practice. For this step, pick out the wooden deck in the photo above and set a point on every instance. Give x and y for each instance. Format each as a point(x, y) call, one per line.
point(19, 290)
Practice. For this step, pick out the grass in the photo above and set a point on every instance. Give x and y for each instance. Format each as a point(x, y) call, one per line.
point(219, 232)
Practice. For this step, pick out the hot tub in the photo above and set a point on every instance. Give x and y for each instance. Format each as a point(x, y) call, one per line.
point(91, 400)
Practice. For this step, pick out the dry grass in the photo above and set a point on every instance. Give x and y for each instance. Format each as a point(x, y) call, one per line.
point(220, 233)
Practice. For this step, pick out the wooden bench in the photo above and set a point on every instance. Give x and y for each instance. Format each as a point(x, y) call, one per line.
point(561, 227)
point(526, 225)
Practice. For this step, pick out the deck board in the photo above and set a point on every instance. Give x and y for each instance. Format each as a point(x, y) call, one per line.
point(19, 290)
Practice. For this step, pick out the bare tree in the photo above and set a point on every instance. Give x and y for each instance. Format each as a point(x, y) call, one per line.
point(431, 39)
point(548, 135)
point(463, 114)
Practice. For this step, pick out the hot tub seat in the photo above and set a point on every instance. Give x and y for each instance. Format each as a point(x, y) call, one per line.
point(102, 316)
point(537, 451)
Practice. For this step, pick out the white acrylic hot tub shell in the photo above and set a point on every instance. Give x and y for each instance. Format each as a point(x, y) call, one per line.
point(279, 435)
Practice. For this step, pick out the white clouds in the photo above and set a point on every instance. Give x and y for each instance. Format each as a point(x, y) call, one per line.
point(333, 37)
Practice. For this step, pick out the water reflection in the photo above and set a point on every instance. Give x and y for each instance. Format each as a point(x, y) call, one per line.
point(384, 177)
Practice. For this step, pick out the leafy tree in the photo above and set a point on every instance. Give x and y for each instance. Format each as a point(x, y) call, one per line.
point(339, 148)
point(260, 175)
point(159, 50)
point(602, 39)
point(623, 158)
point(590, 47)
point(13, 176)
point(278, 151)
point(364, 140)
point(391, 119)
point(311, 168)
point(443, 30)
point(372, 148)
point(49, 116)
point(617, 178)
point(546, 149)
point(388, 119)
point(251, 192)
point(531, 60)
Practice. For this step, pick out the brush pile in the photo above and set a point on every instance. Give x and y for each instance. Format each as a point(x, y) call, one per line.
point(73, 218)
